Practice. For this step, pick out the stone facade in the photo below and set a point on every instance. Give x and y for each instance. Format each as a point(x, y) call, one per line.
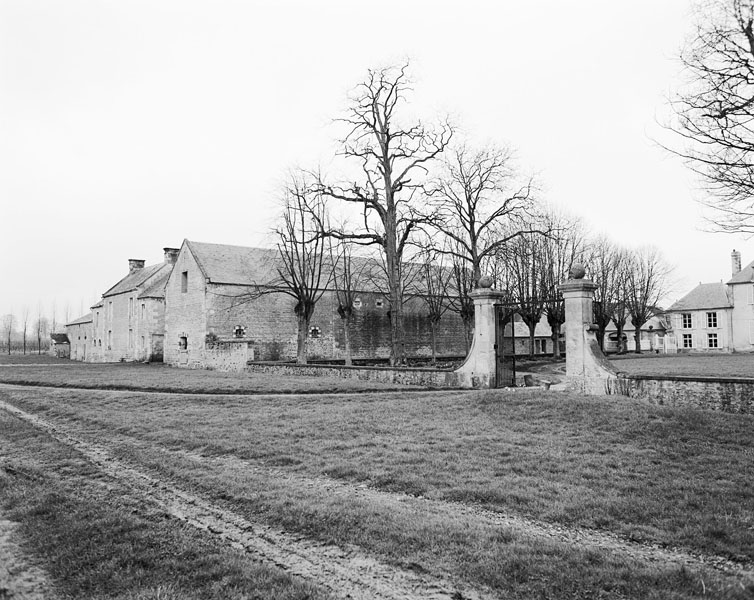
point(80, 337)
point(208, 300)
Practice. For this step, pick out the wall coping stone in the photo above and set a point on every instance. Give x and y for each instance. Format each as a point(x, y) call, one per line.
point(269, 363)
point(687, 378)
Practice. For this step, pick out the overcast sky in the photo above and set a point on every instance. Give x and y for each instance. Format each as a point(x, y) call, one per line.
point(126, 127)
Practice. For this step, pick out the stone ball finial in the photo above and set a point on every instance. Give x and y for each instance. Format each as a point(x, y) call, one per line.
point(485, 281)
point(577, 272)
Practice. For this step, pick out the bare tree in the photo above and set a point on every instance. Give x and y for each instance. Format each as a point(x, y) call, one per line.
point(478, 192)
point(347, 277)
point(714, 113)
point(527, 283)
point(302, 254)
point(646, 283)
point(459, 296)
point(606, 264)
point(559, 251)
point(433, 285)
point(41, 327)
point(24, 325)
point(9, 324)
point(393, 158)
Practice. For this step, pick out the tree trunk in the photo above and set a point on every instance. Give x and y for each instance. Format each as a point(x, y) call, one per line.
point(601, 336)
point(532, 327)
point(39, 345)
point(555, 340)
point(433, 338)
point(347, 340)
point(637, 340)
point(303, 332)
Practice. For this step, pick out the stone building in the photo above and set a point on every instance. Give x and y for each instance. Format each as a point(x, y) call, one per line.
point(128, 324)
point(80, 337)
point(210, 307)
point(717, 316)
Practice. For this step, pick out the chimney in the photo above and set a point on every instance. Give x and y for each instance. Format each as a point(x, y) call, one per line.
point(735, 261)
point(171, 255)
point(134, 264)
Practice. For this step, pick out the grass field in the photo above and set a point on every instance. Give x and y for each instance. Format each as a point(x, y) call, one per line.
point(158, 377)
point(692, 365)
point(644, 473)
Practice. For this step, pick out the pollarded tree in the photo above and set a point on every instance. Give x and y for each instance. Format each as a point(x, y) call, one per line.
point(606, 264)
point(393, 157)
point(714, 113)
point(646, 283)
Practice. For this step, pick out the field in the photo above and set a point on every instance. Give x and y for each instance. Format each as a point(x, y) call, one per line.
point(691, 365)
point(519, 494)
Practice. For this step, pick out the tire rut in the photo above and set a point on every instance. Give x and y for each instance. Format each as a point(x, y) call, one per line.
point(345, 572)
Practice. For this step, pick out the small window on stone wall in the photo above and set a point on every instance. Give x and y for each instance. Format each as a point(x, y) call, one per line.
point(315, 332)
point(239, 331)
point(379, 303)
point(183, 343)
point(357, 302)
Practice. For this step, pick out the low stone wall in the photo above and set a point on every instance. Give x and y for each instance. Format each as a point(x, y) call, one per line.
point(434, 378)
point(228, 356)
point(727, 394)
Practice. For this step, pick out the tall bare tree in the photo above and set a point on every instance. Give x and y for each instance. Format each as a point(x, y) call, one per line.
point(433, 284)
point(647, 279)
point(478, 196)
point(393, 157)
point(302, 251)
point(41, 327)
point(9, 325)
point(348, 276)
point(714, 112)
point(24, 325)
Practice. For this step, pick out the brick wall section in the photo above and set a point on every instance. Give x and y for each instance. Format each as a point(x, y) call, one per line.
point(733, 395)
point(432, 378)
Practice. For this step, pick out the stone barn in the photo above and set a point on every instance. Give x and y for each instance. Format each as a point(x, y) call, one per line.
point(210, 307)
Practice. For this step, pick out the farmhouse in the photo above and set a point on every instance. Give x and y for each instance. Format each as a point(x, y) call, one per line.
point(717, 316)
point(79, 334)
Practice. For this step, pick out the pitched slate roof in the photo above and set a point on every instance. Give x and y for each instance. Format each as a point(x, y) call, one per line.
point(85, 319)
point(157, 288)
point(745, 275)
point(222, 263)
point(133, 280)
point(705, 295)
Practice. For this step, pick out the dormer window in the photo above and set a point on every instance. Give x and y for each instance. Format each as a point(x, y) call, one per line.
point(239, 331)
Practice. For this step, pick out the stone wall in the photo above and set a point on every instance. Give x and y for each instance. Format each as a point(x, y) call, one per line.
point(407, 376)
point(228, 355)
point(733, 394)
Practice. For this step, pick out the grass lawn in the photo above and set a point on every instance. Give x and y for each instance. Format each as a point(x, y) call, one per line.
point(692, 365)
point(665, 476)
point(159, 377)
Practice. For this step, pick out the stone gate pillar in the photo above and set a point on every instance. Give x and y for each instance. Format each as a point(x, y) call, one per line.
point(587, 369)
point(479, 368)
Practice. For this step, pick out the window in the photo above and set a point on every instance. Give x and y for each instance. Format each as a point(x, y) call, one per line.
point(184, 282)
point(540, 346)
point(99, 342)
point(143, 343)
point(130, 339)
point(143, 311)
point(687, 341)
point(357, 302)
point(712, 321)
point(750, 294)
point(96, 319)
point(315, 332)
point(239, 331)
point(379, 303)
point(110, 310)
point(751, 332)
point(130, 307)
point(711, 340)
point(686, 321)
point(110, 338)
point(183, 343)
